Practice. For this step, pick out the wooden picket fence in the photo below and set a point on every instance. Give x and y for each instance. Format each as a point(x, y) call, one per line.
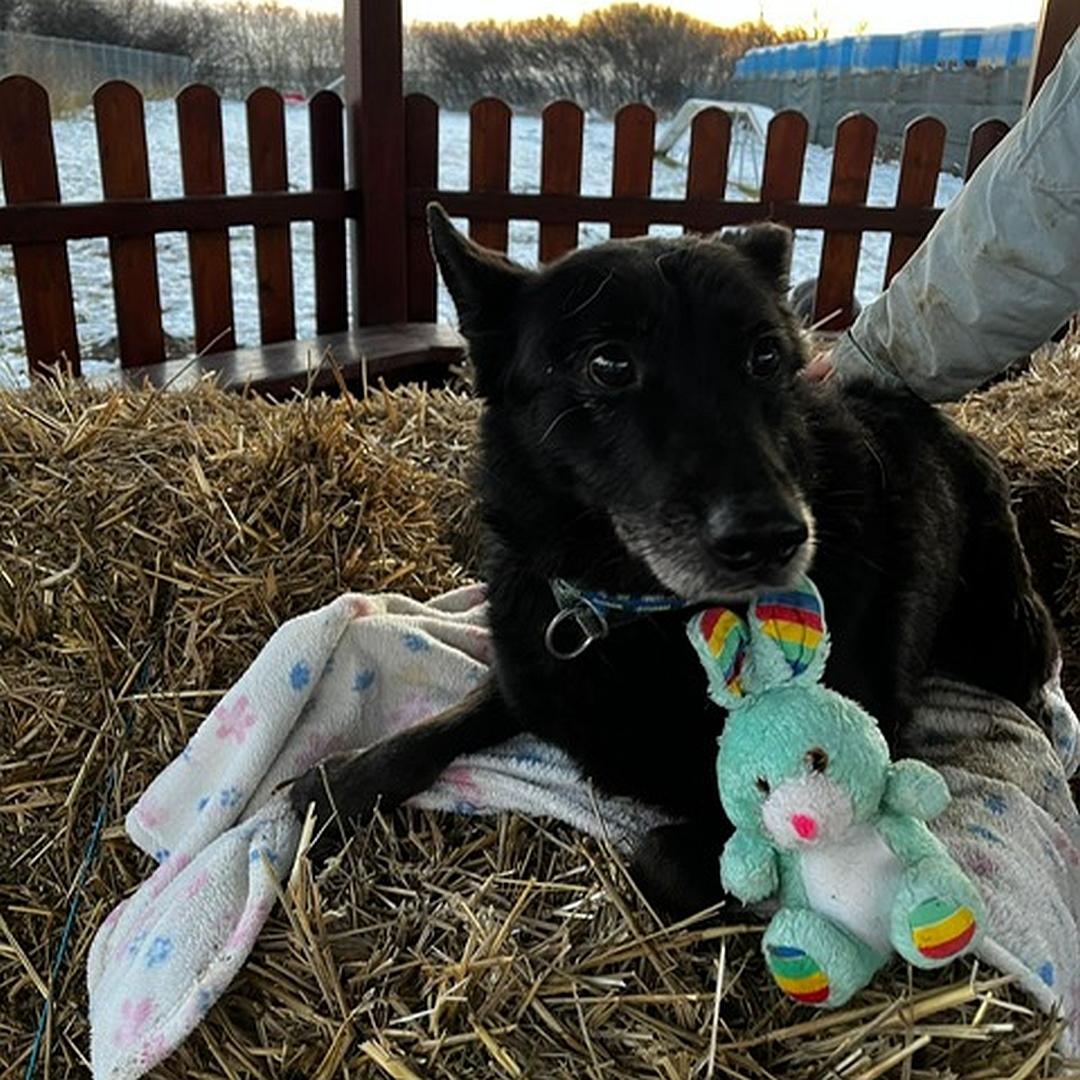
point(37, 222)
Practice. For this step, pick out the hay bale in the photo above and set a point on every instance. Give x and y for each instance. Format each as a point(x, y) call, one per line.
point(1033, 423)
point(149, 544)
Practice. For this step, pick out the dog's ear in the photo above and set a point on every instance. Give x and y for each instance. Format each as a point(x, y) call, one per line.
point(482, 283)
point(768, 245)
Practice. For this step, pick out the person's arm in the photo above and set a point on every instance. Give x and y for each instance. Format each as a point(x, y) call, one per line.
point(1000, 271)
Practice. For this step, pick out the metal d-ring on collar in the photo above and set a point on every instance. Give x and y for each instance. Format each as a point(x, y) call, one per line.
point(592, 610)
point(590, 622)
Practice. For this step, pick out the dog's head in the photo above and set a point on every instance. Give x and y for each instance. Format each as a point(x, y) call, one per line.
point(654, 383)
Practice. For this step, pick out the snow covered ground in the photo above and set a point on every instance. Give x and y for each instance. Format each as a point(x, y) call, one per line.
point(79, 180)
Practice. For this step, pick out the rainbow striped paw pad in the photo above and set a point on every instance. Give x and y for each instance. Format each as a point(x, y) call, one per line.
point(941, 929)
point(797, 974)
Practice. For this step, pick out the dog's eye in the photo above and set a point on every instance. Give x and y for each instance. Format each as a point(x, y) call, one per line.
point(765, 357)
point(611, 369)
point(817, 759)
point(762, 785)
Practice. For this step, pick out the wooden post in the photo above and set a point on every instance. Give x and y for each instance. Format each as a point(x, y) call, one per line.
point(374, 100)
point(1057, 23)
point(42, 272)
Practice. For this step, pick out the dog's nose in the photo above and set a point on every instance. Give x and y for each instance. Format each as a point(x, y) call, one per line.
point(761, 538)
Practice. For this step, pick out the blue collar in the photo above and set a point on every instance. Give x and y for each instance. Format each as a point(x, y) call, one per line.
point(593, 611)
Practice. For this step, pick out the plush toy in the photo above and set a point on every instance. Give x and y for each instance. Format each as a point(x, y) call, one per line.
point(822, 817)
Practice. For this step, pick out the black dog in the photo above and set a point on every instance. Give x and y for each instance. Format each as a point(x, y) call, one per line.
point(648, 444)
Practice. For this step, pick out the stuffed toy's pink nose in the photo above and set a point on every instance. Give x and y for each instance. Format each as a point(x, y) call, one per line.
point(804, 825)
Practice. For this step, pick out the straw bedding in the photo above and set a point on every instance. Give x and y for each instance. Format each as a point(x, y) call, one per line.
point(149, 544)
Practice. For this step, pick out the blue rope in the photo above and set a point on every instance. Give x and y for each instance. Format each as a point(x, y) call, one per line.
point(89, 855)
point(69, 923)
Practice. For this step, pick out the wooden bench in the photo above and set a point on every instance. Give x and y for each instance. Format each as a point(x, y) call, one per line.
point(354, 358)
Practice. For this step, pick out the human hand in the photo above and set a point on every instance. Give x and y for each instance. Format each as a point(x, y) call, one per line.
point(820, 367)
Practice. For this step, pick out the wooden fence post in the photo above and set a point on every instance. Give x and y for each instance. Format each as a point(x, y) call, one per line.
point(375, 102)
point(273, 243)
point(202, 164)
point(853, 158)
point(125, 174)
point(560, 171)
point(42, 272)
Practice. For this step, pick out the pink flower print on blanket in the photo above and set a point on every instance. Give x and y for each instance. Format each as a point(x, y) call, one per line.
point(459, 782)
point(411, 710)
point(169, 869)
point(149, 815)
point(234, 719)
point(250, 923)
point(318, 746)
point(197, 885)
point(135, 1017)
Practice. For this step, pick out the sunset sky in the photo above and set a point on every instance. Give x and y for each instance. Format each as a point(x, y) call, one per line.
point(839, 16)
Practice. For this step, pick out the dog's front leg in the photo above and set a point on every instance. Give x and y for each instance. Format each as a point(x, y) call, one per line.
point(346, 788)
point(677, 866)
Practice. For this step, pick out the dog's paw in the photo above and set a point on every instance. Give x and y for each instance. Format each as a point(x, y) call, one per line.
point(343, 793)
point(677, 868)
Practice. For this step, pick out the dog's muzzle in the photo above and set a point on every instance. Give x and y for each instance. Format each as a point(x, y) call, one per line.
point(756, 539)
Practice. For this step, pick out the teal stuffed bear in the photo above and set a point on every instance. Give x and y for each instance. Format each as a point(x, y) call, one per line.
point(822, 816)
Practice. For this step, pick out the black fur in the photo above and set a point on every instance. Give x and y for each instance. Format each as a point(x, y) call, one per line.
point(647, 430)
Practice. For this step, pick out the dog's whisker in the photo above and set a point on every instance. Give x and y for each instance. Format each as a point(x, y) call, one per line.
point(873, 452)
point(658, 263)
point(838, 547)
point(558, 420)
point(590, 298)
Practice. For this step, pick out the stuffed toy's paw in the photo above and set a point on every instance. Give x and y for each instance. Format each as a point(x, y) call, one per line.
point(748, 868)
point(937, 915)
point(913, 787)
point(814, 960)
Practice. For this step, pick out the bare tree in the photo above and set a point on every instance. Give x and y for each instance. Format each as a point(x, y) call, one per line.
point(81, 20)
point(623, 53)
point(245, 45)
point(626, 52)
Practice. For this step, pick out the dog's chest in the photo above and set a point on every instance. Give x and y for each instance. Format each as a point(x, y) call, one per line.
point(853, 883)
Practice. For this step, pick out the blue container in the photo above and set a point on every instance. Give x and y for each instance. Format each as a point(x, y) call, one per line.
point(919, 49)
point(757, 60)
point(781, 61)
point(785, 60)
point(1025, 44)
point(876, 52)
point(838, 55)
point(1003, 46)
point(959, 48)
point(803, 57)
point(994, 47)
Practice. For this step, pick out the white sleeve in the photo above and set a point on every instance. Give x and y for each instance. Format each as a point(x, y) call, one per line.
point(1000, 271)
